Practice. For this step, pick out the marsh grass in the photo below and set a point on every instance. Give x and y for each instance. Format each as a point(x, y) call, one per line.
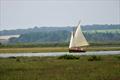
point(52, 68)
point(33, 50)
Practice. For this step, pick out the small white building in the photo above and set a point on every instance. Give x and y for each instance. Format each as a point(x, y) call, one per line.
point(5, 39)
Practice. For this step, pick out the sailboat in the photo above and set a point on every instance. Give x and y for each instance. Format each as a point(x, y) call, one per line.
point(77, 40)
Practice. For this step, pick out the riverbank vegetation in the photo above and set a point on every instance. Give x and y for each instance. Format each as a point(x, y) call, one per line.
point(54, 47)
point(53, 68)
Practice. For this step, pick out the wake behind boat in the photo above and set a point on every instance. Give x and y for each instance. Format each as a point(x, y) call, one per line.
point(77, 41)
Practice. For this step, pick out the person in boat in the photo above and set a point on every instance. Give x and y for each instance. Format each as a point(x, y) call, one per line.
point(78, 48)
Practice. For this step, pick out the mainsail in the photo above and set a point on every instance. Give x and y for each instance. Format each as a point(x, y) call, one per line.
point(78, 39)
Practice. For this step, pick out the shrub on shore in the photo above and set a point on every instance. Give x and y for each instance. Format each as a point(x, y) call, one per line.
point(118, 57)
point(94, 58)
point(68, 57)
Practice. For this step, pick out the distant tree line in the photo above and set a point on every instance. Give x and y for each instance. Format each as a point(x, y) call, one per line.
point(66, 28)
point(102, 37)
point(62, 36)
point(53, 36)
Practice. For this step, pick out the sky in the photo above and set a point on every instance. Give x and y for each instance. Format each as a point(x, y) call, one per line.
point(20, 14)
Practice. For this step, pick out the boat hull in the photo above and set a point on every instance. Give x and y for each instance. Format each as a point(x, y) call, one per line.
point(74, 50)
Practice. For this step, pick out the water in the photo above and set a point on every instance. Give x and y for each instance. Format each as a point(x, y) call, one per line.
point(5, 55)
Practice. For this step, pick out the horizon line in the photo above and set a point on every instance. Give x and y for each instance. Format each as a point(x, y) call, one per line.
point(37, 26)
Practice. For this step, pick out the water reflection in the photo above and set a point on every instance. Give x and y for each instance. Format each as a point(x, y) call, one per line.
point(4, 55)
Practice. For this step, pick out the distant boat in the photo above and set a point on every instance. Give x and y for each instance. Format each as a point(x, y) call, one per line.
point(77, 40)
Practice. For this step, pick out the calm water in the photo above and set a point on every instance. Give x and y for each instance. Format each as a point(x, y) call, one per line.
point(5, 55)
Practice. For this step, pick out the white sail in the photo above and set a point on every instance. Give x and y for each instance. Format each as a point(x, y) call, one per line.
point(71, 41)
point(78, 39)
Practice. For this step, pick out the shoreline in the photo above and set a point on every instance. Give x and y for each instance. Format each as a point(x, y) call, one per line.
point(54, 49)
